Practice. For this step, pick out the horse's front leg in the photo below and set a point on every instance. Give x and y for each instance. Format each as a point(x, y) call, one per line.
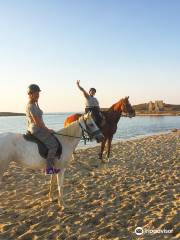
point(51, 186)
point(60, 181)
point(73, 155)
point(102, 149)
point(109, 147)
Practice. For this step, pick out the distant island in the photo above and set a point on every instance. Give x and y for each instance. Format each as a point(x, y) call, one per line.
point(9, 114)
point(157, 108)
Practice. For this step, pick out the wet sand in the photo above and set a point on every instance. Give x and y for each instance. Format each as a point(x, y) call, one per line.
point(137, 188)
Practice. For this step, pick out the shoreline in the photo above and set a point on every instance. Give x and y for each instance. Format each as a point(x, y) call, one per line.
point(139, 137)
point(12, 114)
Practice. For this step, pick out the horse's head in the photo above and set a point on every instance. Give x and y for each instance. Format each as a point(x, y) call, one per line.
point(89, 126)
point(126, 108)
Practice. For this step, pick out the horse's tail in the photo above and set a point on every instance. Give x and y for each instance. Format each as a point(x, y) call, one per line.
point(7, 151)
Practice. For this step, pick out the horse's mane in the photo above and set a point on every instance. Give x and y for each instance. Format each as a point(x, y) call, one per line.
point(113, 107)
point(69, 130)
point(113, 113)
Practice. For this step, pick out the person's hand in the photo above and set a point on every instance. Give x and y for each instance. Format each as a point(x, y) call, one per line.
point(78, 82)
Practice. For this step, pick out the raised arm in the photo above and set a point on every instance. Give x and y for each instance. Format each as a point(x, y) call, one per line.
point(82, 89)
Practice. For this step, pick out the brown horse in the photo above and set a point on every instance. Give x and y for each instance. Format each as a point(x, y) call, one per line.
point(112, 116)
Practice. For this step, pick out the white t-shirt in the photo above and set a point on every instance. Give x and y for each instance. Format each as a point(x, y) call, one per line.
point(91, 101)
point(33, 109)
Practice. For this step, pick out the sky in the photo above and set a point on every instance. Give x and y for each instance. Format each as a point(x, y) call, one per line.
point(120, 47)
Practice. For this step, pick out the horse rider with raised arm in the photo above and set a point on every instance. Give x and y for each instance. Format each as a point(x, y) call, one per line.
point(37, 127)
point(92, 104)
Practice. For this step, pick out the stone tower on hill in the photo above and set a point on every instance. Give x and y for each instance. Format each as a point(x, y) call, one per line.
point(157, 106)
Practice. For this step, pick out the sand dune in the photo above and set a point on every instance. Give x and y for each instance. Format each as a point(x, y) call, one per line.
point(138, 188)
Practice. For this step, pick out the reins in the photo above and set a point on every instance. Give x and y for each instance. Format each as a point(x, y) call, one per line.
point(83, 135)
point(65, 135)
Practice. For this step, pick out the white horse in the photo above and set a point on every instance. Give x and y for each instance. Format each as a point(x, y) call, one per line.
point(13, 147)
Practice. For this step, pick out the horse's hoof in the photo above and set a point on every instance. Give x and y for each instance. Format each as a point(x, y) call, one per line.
point(61, 203)
point(62, 207)
point(104, 161)
point(100, 156)
point(50, 199)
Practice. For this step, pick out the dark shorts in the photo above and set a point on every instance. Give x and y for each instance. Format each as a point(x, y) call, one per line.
point(96, 114)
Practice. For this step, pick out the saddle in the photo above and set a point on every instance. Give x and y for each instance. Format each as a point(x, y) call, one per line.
point(43, 150)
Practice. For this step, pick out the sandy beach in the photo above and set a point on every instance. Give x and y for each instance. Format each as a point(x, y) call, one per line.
point(137, 188)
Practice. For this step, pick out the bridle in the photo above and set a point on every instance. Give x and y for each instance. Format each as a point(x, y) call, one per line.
point(124, 110)
point(85, 137)
point(89, 135)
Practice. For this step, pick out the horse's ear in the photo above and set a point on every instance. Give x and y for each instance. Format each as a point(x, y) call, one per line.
point(86, 116)
point(89, 114)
